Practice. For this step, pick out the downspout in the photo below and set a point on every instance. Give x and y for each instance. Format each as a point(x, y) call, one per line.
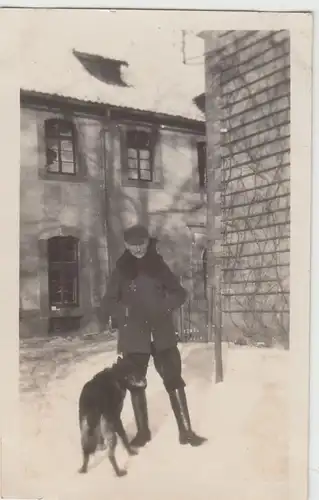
point(214, 185)
point(105, 129)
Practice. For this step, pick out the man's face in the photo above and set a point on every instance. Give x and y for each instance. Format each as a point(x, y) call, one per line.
point(138, 251)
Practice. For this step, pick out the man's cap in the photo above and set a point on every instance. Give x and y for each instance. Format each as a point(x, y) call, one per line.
point(136, 235)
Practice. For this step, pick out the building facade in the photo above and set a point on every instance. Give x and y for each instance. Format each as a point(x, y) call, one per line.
point(88, 171)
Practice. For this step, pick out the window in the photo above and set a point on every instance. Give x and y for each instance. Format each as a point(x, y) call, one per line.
point(63, 263)
point(139, 155)
point(202, 164)
point(60, 146)
point(104, 69)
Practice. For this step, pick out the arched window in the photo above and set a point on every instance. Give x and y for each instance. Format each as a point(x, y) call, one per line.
point(63, 275)
point(60, 141)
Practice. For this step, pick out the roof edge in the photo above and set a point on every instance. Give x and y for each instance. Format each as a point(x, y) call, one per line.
point(41, 99)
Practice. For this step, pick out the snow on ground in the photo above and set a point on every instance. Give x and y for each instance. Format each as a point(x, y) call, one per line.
point(245, 419)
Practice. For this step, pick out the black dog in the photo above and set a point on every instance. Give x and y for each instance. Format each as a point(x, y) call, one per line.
point(100, 406)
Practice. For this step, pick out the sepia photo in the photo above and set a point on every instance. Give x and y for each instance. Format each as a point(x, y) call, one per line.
point(164, 160)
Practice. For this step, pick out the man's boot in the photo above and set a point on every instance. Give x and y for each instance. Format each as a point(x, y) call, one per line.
point(179, 406)
point(139, 404)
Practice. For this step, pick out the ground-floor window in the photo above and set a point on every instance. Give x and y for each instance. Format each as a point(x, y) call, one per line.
point(63, 271)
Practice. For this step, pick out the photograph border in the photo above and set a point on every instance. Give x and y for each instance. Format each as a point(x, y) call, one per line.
point(300, 26)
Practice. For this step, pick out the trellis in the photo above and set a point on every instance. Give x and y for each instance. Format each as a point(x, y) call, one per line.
point(248, 133)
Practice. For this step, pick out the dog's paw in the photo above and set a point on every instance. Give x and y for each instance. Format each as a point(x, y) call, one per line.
point(121, 473)
point(82, 470)
point(132, 452)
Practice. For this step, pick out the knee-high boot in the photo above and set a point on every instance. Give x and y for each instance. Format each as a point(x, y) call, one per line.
point(180, 409)
point(139, 404)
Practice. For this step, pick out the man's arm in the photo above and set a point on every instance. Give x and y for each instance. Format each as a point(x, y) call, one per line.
point(176, 294)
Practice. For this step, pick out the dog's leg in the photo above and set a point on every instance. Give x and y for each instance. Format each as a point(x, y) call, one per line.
point(101, 442)
point(88, 442)
point(112, 442)
point(86, 447)
point(109, 435)
point(122, 433)
point(84, 468)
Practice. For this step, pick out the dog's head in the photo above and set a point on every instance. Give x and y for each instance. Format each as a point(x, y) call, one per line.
point(123, 370)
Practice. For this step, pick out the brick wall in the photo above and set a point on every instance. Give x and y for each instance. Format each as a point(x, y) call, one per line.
point(254, 76)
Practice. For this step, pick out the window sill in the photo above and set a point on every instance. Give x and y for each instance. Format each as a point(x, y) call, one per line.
point(142, 184)
point(65, 311)
point(48, 176)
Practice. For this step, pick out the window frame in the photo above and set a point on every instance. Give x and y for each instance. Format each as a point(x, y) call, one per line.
point(202, 163)
point(62, 266)
point(58, 138)
point(157, 174)
point(149, 148)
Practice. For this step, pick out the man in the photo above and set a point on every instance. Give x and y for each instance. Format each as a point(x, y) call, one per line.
point(142, 294)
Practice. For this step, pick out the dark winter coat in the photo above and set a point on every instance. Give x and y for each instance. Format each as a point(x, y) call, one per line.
point(142, 294)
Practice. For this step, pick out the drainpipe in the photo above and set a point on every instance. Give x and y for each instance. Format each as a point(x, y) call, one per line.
point(213, 126)
point(105, 163)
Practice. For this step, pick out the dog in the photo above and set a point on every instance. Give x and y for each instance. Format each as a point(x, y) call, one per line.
point(100, 407)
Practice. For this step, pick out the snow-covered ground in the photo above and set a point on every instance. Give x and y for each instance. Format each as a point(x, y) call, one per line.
point(245, 419)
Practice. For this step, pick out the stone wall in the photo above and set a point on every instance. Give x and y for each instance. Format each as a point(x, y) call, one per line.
point(96, 206)
point(168, 208)
point(50, 207)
